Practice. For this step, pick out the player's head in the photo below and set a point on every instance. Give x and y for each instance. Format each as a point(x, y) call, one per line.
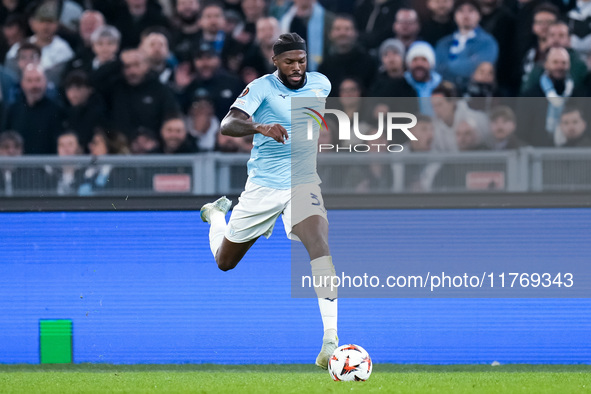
point(290, 58)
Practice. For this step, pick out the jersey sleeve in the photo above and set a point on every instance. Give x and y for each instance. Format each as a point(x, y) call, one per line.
point(251, 97)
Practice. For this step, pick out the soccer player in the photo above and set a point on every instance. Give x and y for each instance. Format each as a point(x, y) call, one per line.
point(264, 109)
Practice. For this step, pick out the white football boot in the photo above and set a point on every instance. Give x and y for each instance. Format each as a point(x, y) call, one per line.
point(222, 204)
point(330, 342)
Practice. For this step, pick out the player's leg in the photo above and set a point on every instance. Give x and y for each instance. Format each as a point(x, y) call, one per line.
point(230, 253)
point(254, 215)
point(307, 211)
point(227, 254)
point(313, 232)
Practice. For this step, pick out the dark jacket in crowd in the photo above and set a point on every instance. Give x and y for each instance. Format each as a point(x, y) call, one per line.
point(146, 104)
point(38, 124)
point(84, 119)
point(222, 89)
point(356, 63)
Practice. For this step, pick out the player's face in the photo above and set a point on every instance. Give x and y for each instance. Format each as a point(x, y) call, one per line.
point(292, 67)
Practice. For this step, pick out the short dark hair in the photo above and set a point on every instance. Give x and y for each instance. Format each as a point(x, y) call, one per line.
point(547, 7)
point(212, 3)
point(28, 46)
point(446, 89)
point(569, 108)
point(77, 78)
point(502, 111)
point(473, 3)
point(12, 135)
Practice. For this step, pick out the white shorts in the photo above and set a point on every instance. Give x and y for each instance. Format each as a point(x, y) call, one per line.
point(259, 207)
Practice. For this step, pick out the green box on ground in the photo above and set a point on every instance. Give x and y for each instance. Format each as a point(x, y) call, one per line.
point(55, 341)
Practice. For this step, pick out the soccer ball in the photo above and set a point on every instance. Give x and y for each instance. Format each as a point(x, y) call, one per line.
point(350, 362)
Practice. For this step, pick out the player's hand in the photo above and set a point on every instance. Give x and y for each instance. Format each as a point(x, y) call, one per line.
point(275, 131)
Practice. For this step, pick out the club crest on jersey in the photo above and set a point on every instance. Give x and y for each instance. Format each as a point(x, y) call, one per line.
point(244, 93)
point(318, 92)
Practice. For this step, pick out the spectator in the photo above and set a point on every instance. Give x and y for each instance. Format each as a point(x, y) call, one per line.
point(140, 100)
point(90, 21)
point(467, 136)
point(424, 131)
point(55, 51)
point(459, 54)
point(9, 8)
point(174, 136)
point(98, 178)
point(406, 26)
point(482, 93)
point(579, 23)
point(19, 180)
point(27, 54)
point(500, 22)
point(258, 61)
point(213, 81)
point(137, 16)
point(574, 128)
point(86, 110)
point(392, 56)
point(67, 176)
point(212, 22)
point(541, 117)
point(144, 141)
point(419, 81)
point(186, 23)
point(449, 112)
point(203, 125)
point(440, 22)
point(373, 177)
point(105, 43)
point(346, 58)
point(253, 10)
point(155, 48)
point(14, 30)
point(311, 21)
point(374, 21)
point(544, 16)
point(104, 68)
point(503, 126)
point(37, 118)
point(558, 37)
point(418, 177)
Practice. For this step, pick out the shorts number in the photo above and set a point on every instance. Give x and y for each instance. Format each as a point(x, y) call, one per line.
point(315, 198)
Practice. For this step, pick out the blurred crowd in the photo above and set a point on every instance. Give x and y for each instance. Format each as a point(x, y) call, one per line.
point(157, 76)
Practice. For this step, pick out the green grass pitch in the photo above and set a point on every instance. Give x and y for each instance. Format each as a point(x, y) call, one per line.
point(386, 378)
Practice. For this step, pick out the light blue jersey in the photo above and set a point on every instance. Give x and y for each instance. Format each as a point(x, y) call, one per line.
point(267, 100)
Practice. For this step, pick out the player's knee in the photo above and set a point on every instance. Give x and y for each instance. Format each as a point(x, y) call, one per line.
point(225, 264)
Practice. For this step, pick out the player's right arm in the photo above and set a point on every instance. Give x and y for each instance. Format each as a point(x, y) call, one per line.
point(237, 123)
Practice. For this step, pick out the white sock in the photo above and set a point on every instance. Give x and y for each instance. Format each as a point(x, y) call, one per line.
point(328, 311)
point(327, 297)
point(217, 230)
